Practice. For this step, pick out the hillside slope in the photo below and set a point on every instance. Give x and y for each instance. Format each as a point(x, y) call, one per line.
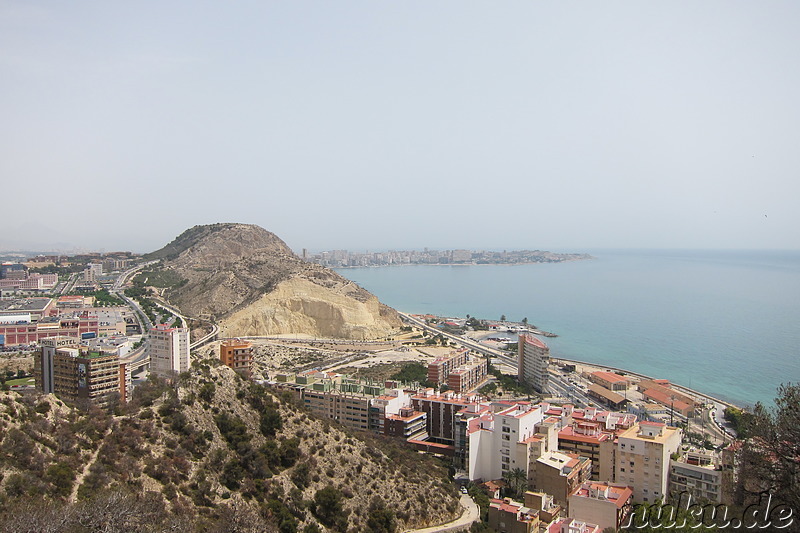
point(249, 280)
point(196, 455)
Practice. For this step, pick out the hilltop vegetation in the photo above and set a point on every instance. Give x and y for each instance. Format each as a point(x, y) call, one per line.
point(210, 453)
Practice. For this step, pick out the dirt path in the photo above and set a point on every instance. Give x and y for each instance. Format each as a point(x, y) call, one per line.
point(73, 497)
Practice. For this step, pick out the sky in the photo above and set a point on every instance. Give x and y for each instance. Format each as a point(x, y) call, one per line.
point(399, 125)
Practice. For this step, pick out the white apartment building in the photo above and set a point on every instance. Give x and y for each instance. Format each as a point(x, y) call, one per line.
point(497, 441)
point(169, 350)
point(643, 458)
point(533, 361)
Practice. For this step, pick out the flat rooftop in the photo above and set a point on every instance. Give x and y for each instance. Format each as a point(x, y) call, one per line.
point(24, 305)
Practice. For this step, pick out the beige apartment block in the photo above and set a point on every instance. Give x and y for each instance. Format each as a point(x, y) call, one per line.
point(643, 458)
point(559, 474)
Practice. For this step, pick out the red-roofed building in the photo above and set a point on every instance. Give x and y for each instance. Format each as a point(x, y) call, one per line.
point(408, 424)
point(468, 376)
point(492, 488)
point(660, 388)
point(588, 439)
point(439, 369)
point(441, 411)
point(667, 399)
point(609, 380)
point(604, 504)
point(508, 516)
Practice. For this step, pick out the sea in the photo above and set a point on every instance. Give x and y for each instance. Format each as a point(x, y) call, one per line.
point(726, 323)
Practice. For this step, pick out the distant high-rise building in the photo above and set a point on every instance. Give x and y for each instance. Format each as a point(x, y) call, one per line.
point(169, 350)
point(533, 362)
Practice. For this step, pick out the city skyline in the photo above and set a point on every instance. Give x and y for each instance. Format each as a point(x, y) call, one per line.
point(398, 126)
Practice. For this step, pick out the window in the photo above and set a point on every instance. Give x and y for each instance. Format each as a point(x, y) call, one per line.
point(505, 467)
point(506, 437)
point(506, 429)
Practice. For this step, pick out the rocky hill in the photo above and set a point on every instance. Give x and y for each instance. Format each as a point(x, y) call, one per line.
point(211, 453)
point(252, 284)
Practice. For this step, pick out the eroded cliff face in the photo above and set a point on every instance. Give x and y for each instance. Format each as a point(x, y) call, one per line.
point(299, 306)
point(252, 284)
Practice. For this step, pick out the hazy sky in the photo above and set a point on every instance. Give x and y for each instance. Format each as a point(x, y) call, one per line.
point(377, 125)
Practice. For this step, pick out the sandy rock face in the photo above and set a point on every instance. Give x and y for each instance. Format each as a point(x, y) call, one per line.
point(302, 307)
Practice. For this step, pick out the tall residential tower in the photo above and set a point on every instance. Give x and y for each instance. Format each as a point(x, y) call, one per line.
point(534, 359)
point(169, 350)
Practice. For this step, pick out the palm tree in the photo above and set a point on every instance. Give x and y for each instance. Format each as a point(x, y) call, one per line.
point(517, 481)
point(520, 478)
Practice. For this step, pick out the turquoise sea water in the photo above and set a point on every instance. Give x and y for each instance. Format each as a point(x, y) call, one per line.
point(725, 323)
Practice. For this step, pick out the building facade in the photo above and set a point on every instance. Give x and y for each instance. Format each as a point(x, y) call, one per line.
point(468, 376)
point(699, 473)
point(169, 350)
point(559, 474)
point(238, 355)
point(79, 373)
point(643, 458)
point(604, 504)
point(439, 369)
point(533, 362)
point(43, 361)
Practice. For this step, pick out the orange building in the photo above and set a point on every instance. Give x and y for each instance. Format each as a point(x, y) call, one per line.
point(238, 355)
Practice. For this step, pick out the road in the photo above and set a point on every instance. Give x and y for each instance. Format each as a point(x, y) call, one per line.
point(471, 514)
point(558, 384)
point(67, 287)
